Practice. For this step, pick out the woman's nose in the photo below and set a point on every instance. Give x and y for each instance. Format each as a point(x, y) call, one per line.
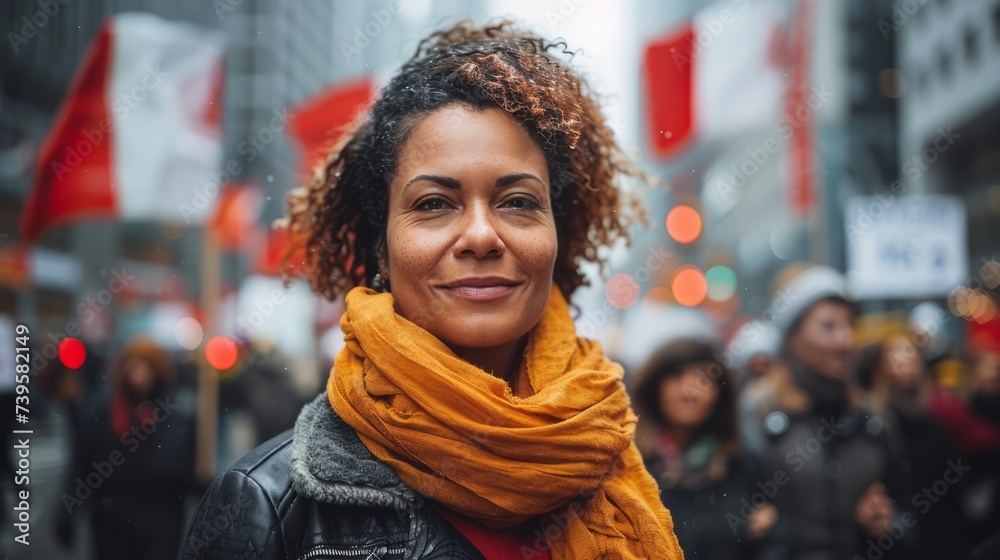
point(477, 233)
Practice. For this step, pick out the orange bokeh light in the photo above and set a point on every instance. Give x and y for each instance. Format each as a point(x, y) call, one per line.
point(658, 295)
point(221, 352)
point(689, 286)
point(684, 224)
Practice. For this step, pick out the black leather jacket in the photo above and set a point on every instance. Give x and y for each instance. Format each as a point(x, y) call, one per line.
point(315, 492)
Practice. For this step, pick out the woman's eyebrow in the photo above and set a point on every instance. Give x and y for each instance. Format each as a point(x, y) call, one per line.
point(515, 177)
point(452, 183)
point(448, 182)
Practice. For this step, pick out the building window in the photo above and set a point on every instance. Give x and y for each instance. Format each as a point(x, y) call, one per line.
point(996, 22)
point(923, 80)
point(944, 63)
point(970, 43)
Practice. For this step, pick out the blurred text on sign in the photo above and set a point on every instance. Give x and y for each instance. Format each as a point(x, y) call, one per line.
point(906, 246)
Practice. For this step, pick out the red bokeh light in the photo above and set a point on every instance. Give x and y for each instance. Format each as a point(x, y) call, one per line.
point(221, 353)
point(72, 353)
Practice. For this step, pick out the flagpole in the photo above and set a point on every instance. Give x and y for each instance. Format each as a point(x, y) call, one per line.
point(208, 377)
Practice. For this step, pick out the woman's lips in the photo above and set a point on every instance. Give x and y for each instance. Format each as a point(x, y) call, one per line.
point(480, 293)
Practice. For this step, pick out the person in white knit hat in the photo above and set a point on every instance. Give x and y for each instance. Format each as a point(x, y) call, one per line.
point(750, 354)
point(751, 350)
point(836, 482)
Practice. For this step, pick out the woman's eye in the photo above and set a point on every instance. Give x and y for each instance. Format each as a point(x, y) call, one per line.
point(431, 204)
point(522, 203)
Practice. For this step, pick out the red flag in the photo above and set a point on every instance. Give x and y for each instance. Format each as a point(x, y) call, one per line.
point(274, 244)
point(319, 122)
point(137, 130)
point(802, 160)
point(669, 65)
point(235, 214)
point(64, 187)
point(715, 77)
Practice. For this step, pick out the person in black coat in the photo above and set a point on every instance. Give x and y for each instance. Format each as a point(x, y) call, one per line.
point(842, 490)
point(900, 393)
point(691, 446)
point(133, 460)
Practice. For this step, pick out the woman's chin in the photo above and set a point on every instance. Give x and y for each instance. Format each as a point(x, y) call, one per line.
point(465, 341)
point(484, 332)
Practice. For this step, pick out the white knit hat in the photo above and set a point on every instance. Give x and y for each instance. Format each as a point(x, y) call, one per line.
point(806, 289)
point(754, 338)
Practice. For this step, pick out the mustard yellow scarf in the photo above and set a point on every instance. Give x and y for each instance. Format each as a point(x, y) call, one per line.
point(457, 435)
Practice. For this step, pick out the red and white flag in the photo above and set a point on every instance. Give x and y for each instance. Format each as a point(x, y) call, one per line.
point(719, 74)
point(138, 133)
point(319, 122)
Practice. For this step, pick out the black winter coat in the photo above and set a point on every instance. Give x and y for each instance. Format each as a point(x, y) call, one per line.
point(316, 492)
point(134, 484)
point(826, 461)
point(710, 519)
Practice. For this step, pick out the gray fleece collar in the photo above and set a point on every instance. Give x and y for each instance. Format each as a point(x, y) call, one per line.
point(330, 464)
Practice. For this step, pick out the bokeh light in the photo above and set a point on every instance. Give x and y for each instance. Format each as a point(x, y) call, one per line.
point(689, 286)
point(973, 304)
point(785, 242)
point(657, 295)
point(72, 353)
point(990, 273)
point(721, 283)
point(189, 333)
point(684, 224)
point(891, 82)
point(722, 311)
point(221, 352)
point(622, 290)
point(953, 300)
point(987, 311)
point(982, 308)
point(173, 229)
point(962, 301)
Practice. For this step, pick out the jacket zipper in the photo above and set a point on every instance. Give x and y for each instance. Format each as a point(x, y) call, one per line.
point(375, 554)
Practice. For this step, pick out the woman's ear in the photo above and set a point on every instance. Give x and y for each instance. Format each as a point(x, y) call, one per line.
point(382, 260)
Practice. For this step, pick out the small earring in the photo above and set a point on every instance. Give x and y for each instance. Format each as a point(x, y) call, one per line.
point(377, 283)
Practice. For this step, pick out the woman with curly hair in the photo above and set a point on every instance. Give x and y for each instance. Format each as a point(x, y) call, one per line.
point(464, 418)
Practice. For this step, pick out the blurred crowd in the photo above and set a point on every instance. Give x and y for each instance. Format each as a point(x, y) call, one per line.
point(810, 432)
point(813, 433)
point(132, 413)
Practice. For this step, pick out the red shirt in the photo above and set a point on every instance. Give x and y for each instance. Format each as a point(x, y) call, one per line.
point(520, 542)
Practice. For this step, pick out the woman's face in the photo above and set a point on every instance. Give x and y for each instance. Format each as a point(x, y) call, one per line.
point(139, 376)
point(824, 342)
point(903, 363)
point(471, 237)
point(986, 374)
point(687, 399)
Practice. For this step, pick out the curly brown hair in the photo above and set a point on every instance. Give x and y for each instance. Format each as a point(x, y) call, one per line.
point(340, 217)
